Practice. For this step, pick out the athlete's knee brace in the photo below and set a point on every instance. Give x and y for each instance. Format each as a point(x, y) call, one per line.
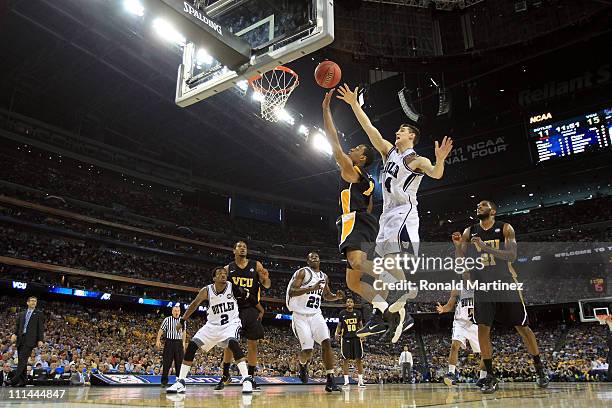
point(234, 346)
point(190, 353)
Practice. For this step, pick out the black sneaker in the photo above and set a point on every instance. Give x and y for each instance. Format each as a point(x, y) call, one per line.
point(542, 380)
point(221, 384)
point(331, 386)
point(256, 387)
point(398, 323)
point(304, 373)
point(450, 379)
point(490, 385)
point(480, 382)
point(375, 325)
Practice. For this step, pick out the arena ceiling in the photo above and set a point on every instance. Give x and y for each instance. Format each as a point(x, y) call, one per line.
point(82, 66)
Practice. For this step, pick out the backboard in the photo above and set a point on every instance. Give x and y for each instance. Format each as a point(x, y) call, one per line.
point(589, 308)
point(276, 31)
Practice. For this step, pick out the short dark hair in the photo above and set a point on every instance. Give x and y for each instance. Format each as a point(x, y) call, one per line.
point(237, 242)
point(31, 297)
point(413, 129)
point(368, 152)
point(350, 298)
point(215, 270)
point(492, 204)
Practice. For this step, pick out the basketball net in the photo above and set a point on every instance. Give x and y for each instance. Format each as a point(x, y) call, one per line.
point(603, 319)
point(274, 89)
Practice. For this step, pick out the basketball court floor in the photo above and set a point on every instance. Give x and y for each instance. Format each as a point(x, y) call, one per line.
point(518, 395)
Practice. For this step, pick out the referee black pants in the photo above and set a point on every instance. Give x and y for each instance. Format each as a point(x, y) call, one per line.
point(173, 351)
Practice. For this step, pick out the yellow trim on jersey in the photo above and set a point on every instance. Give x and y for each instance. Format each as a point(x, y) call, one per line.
point(514, 275)
point(258, 293)
point(348, 223)
point(358, 170)
point(345, 199)
point(369, 190)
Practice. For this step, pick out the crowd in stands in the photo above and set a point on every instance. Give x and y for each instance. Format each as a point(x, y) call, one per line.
point(97, 339)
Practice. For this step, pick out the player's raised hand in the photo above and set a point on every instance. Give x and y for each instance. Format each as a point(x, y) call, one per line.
point(443, 149)
point(348, 96)
point(327, 99)
point(440, 308)
point(477, 241)
point(456, 237)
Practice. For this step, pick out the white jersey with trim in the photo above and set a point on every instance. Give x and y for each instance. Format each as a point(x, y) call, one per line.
point(464, 309)
point(222, 307)
point(309, 303)
point(399, 183)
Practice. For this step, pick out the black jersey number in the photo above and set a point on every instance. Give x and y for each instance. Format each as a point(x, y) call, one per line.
point(224, 319)
point(388, 184)
point(313, 302)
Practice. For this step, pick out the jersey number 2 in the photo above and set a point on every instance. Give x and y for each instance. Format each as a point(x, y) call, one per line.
point(313, 302)
point(224, 319)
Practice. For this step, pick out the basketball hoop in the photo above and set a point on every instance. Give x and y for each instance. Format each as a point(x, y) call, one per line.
point(275, 88)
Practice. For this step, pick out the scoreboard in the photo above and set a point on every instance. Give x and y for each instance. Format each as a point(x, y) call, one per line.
point(553, 138)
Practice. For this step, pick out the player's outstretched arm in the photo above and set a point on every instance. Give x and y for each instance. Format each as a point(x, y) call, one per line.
point(264, 275)
point(202, 296)
point(295, 290)
point(347, 171)
point(509, 253)
point(350, 97)
point(435, 170)
point(450, 304)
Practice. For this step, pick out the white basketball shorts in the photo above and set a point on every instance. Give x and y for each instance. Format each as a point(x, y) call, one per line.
point(399, 230)
point(211, 335)
point(309, 329)
point(464, 331)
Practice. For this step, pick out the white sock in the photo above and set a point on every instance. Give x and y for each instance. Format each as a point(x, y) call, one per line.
point(451, 369)
point(244, 370)
point(483, 373)
point(380, 305)
point(360, 376)
point(184, 371)
point(346, 379)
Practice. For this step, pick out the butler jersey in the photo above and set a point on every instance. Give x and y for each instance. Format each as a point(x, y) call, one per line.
point(350, 323)
point(399, 183)
point(308, 303)
point(355, 197)
point(494, 268)
point(247, 278)
point(222, 307)
point(464, 308)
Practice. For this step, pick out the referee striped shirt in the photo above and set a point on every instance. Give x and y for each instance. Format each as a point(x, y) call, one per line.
point(169, 328)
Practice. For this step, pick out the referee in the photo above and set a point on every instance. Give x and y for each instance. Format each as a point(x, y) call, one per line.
point(174, 344)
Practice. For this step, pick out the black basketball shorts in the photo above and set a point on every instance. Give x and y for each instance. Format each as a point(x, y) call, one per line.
point(351, 348)
point(357, 230)
point(252, 329)
point(507, 308)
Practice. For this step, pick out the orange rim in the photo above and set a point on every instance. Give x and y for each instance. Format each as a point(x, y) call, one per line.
point(257, 88)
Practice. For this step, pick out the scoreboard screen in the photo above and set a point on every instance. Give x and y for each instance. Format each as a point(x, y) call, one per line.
point(554, 138)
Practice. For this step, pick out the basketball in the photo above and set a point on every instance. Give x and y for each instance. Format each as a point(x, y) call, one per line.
point(328, 74)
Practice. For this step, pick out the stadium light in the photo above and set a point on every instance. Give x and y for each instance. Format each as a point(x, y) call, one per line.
point(167, 32)
point(203, 57)
point(320, 143)
point(282, 114)
point(303, 130)
point(257, 96)
point(133, 7)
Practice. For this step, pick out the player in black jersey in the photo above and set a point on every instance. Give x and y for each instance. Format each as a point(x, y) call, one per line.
point(357, 227)
point(250, 275)
point(494, 243)
point(351, 348)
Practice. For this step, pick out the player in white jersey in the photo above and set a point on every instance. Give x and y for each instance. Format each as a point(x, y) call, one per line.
point(306, 289)
point(222, 327)
point(402, 173)
point(464, 329)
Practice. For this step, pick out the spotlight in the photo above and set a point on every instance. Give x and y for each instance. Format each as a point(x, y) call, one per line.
point(320, 143)
point(167, 32)
point(203, 57)
point(257, 96)
point(283, 115)
point(133, 7)
point(303, 130)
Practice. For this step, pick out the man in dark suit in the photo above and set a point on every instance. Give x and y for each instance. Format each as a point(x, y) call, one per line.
point(29, 332)
point(6, 374)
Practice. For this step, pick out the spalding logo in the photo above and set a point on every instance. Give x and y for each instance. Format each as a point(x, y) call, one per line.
point(540, 118)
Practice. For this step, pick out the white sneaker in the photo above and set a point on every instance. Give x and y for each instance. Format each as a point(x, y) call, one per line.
point(177, 388)
point(361, 385)
point(247, 385)
point(346, 386)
